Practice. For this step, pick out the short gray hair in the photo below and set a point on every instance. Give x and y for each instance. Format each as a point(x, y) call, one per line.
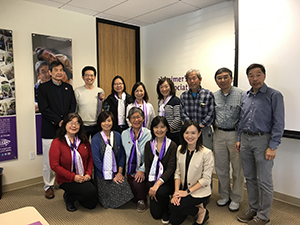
point(38, 64)
point(193, 70)
point(133, 110)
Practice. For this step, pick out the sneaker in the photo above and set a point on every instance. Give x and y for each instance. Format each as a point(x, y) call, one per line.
point(234, 206)
point(223, 201)
point(247, 216)
point(257, 221)
point(141, 206)
point(165, 218)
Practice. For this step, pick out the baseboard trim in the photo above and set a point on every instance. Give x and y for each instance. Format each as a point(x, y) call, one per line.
point(277, 196)
point(22, 184)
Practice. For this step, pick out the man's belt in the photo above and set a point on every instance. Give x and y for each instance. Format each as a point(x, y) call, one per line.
point(226, 129)
point(254, 134)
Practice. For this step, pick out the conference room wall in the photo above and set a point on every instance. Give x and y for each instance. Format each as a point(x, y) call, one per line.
point(24, 18)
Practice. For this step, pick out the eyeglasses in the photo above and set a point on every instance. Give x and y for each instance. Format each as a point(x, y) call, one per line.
point(74, 123)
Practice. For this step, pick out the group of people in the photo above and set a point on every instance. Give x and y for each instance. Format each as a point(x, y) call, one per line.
point(169, 157)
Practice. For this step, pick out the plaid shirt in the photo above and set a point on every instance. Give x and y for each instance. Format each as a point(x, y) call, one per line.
point(201, 109)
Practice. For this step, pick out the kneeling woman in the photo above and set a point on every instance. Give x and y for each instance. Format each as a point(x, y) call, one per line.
point(71, 159)
point(160, 165)
point(109, 160)
point(192, 177)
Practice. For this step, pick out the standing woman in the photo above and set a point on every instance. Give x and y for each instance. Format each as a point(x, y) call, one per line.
point(192, 177)
point(109, 161)
point(71, 159)
point(160, 165)
point(169, 106)
point(140, 99)
point(134, 140)
point(117, 102)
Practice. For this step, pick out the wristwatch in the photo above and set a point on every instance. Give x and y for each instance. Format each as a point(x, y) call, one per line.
point(273, 149)
point(188, 191)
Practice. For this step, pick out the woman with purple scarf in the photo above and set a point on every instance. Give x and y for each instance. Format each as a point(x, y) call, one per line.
point(71, 159)
point(139, 97)
point(160, 165)
point(109, 161)
point(134, 140)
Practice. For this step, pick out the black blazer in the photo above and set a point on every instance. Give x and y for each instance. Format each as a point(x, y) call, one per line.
point(111, 104)
point(51, 108)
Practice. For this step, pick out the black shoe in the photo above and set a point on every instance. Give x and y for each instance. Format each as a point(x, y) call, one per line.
point(69, 205)
point(206, 217)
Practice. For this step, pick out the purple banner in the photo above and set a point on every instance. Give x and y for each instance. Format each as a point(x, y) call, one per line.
point(38, 124)
point(8, 138)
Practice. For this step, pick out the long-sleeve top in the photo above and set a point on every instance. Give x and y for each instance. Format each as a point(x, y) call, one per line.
point(87, 102)
point(228, 108)
point(61, 160)
point(127, 143)
point(200, 170)
point(150, 113)
point(200, 108)
point(168, 161)
point(98, 156)
point(172, 114)
point(263, 112)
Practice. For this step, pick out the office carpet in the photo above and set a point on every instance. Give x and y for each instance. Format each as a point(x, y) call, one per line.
point(55, 213)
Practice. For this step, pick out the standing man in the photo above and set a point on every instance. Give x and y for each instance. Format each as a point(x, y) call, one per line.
point(56, 100)
point(89, 101)
point(198, 104)
point(227, 109)
point(260, 130)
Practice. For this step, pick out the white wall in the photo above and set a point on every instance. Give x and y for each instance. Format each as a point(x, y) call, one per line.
point(203, 39)
point(24, 18)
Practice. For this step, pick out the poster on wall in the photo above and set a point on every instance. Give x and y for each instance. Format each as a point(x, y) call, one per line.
point(46, 49)
point(8, 128)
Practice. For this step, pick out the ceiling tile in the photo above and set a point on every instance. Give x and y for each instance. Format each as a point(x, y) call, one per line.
point(151, 5)
point(177, 9)
point(60, 1)
point(127, 10)
point(152, 17)
point(96, 5)
point(203, 3)
point(47, 2)
point(111, 17)
point(80, 10)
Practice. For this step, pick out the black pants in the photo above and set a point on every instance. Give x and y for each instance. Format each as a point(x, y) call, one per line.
point(139, 190)
point(85, 193)
point(187, 207)
point(161, 206)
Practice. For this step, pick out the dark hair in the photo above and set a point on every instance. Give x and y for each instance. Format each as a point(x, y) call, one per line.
point(88, 68)
point(223, 70)
point(156, 120)
point(255, 65)
point(38, 65)
point(133, 110)
point(135, 86)
point(39, 51)
point(55, 64)
point(103, 116)
point(62, 130)
point(113, 81)
point(171, 84)
point(186, 125)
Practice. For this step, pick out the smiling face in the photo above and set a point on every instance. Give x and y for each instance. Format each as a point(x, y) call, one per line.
point(118, 86)
point(136, 120)
point(107, 124)
point(224, 81)
point(256, 79)
point(139, 93)
point(89, 77)
point(193, 81)
point(165, 89)
point(191, 135)
point(57, 73)
point(43, 73)
point(160, 130)
point(72, 127)
point(48, 56)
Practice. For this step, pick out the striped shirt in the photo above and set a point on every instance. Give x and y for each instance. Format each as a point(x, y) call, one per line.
point(200, 108)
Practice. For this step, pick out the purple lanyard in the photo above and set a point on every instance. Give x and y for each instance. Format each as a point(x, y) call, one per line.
point(161, 152)
point(117, 97)
point(74, 159)
point(113, 155)
point(144, 110)
point(165, 103)
point(132, 162)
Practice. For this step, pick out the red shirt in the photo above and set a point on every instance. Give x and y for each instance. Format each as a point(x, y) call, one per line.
point(61, 160)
